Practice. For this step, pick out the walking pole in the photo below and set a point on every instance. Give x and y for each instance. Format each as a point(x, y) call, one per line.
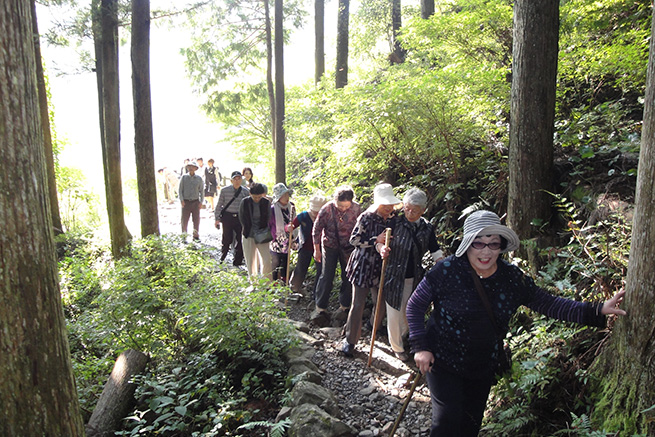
point(405, 404)
point(286, 278)
point(289, 255)
point(378, 304)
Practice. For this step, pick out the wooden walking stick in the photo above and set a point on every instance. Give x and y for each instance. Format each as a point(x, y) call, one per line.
point(378, 304)
point(405, 404)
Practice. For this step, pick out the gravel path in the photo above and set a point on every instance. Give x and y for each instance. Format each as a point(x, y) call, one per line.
point(370, 398)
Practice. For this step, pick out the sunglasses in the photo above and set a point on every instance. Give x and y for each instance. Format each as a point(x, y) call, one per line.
point(479, 245)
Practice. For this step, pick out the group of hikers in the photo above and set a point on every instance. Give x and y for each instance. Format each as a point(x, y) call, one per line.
point(472, 294)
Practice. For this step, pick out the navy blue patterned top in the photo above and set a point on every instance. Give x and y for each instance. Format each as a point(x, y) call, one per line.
point(365, 264)
point(459, 333)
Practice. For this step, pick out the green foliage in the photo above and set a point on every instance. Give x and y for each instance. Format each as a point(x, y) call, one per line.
point(200, 396)
point(215, 341)
point(596, 257)
point(78, 207)
point(604, 51)
point(278, 429)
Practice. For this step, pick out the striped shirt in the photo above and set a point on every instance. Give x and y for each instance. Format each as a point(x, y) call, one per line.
point(460, 334)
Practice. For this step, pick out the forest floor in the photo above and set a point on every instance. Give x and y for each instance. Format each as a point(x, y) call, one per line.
point(370, 398)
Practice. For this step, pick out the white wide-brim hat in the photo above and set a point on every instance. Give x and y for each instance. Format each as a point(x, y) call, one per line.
point(486, 223)
point(383, 195)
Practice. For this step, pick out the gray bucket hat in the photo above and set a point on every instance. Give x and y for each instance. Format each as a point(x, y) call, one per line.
point(486, 223)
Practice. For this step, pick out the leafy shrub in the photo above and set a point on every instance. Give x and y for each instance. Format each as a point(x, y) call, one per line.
point(215, 341)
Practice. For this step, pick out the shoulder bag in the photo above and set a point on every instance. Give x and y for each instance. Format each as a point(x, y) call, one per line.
point(504, 364)
point(220, 215)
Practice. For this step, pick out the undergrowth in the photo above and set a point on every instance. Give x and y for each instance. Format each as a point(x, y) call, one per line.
point(214, 340)
point(549, 389)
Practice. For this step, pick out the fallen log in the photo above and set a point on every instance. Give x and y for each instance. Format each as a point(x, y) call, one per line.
point(114, 402)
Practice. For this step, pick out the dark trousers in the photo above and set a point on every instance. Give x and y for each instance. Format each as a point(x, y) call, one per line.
point(231, 229)
point(330, 257)
point(279, 265)
point(300, 272)
point(191, 208)
point(457, 403)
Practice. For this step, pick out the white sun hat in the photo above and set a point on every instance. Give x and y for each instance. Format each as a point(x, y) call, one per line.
point(383, 195)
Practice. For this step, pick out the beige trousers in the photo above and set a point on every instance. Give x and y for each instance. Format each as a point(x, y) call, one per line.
point(397, 320)
point(258, 258)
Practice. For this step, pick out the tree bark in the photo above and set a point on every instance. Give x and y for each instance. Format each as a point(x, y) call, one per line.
point(143, 137)
point(116, 397)
point(45, 124)
point(534, 74)
point(270, 86)
point(96, 28)
point(427, 9)
point(627, 365)
point(280, 134)
point(111, 111)
point(398, 54)
point(342, 43)
point(37, 389)
point(319, 32)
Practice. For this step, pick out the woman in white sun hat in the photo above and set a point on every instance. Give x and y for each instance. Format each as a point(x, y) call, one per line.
point(365, 264)
point(461, 346)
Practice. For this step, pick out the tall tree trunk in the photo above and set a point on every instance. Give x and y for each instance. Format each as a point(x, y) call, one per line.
point(534, 74)
point(427, 9)
point(96, 28)
point(111, 111)
point(398, 53)
point(37, 389)
point(627, 366)
point(280, 133)
point(319, 32)
point(45, 125)
point(343, 20)
point(143, 140)
point(269, 69)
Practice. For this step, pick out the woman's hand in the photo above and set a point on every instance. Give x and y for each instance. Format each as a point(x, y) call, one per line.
point(288, 227)
point(381, 238)
point(317, 253)
point(385, 251)
point(424, 361)
point(611, 306)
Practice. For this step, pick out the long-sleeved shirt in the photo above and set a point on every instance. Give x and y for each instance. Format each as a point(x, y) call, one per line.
point(280, 243)
point(409, 243)
point(227, 193)
point(306, 224)
point(365, 264)
point(460, 333)
point(191, 188)
point(332, 228)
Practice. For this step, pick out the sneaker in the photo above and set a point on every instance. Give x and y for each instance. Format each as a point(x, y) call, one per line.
point(348, 349)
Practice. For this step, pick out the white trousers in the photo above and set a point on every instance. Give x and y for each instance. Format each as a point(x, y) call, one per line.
point(258, 258)
point(397, 325)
